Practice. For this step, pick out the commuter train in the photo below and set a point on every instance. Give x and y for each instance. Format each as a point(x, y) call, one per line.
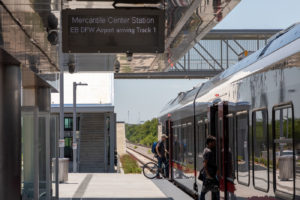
point(253, 110)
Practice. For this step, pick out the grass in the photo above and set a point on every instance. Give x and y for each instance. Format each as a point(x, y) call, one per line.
point(130, 166)
point(135, 147)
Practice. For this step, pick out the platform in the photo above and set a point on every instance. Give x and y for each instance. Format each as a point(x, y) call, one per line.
point(109, 186)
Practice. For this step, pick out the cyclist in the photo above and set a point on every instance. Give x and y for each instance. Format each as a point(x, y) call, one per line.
point(161, 154)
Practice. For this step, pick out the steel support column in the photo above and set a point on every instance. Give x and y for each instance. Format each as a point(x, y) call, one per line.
point(74, 146)
point(112, 138)
point(43, 97)
point(10, 127)
point(61, 93)
point(221, 53)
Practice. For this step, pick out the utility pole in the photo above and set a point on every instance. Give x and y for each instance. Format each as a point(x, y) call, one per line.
point(128, 117)
point(139, 118)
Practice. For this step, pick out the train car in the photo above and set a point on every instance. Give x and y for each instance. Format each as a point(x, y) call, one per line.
point(253, 109)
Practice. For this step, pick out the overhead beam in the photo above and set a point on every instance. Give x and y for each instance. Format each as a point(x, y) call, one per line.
point(240, 34)
point(170, 75)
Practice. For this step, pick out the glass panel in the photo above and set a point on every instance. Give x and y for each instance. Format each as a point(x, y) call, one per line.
point(231, 148)
point(42, 156)
point(242, 148)
point(54, 135)
point(175, 144)
point(180, 157)
point(68, 123)
point(28, 129)
point(260, 150)
point(220, 151)
point(230, 138)
point(184, 135)
point(284, 151)
point(68, 126)
point(201, 140)
point(68, 151)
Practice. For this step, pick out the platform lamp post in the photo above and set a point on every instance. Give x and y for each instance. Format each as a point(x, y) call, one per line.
point(74, 146)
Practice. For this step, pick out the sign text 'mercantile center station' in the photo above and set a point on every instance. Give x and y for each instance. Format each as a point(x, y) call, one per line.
point(112, 20)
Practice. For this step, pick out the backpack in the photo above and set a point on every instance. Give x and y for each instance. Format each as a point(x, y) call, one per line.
point(153, 149)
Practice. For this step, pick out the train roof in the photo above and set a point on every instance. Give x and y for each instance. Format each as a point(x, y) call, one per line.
point(275, 42)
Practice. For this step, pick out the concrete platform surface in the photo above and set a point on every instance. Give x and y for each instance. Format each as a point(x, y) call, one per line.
point(113, 186)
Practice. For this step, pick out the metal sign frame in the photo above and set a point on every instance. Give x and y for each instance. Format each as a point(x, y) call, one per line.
point(90, 42)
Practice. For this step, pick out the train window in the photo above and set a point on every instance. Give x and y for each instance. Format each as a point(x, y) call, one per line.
point(242, 147)
point(190, 139)
point(180, 139)
point(283, 149)
point(260, 149)
point(220, 154)
point(231, 145)
point(184, 141)
point(175, 143)
point(201, 137)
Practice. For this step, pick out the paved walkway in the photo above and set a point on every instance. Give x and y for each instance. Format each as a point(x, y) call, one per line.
point(118, 187)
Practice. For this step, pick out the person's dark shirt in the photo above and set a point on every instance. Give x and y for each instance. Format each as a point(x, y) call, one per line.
point(210, 156)
point(161, 147)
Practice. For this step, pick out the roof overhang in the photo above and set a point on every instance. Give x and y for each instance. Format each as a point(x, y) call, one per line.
point(186, 23)
point(240, 34)
point(83, 108)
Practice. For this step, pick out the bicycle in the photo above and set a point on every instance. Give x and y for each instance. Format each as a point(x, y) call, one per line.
point(151, 170)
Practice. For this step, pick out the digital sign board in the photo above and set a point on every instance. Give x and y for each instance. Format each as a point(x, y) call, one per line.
point(133, 30)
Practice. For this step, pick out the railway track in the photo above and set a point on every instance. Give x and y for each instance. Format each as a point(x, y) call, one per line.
point(141, 154)
point(143, 159)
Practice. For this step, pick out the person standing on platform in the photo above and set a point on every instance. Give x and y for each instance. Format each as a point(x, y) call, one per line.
point(210, 182)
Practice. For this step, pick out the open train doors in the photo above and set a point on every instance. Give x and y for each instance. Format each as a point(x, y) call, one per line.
point(217, 114)
point(169, 144)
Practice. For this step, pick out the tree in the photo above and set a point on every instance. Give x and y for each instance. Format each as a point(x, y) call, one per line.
point(144, 134)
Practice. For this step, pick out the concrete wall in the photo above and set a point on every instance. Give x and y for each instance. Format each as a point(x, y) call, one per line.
point(121, 139)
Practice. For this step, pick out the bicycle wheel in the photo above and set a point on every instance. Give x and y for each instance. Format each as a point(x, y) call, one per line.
point(150, 170)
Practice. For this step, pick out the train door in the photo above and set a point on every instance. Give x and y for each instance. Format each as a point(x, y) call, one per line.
point(169, 144)
point(222, 147)
point(284, 170)
point(213, 127)
point(224, 152)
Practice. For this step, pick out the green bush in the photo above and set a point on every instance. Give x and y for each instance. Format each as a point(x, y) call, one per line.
point(130, 165)
point(144, 134)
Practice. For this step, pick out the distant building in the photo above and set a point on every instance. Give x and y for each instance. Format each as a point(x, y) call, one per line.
point(95, 134)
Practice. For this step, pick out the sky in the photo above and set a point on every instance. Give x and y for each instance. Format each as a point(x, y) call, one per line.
point(262, 14)
point(144, 99)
